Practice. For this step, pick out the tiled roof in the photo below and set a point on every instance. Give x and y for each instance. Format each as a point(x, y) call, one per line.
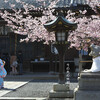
point(18, 5)
point(61, 3)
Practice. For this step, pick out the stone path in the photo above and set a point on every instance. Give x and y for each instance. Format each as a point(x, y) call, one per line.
point(15, 85)
point(11, 86)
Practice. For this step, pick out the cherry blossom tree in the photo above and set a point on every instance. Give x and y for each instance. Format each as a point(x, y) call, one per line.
point(88, 30)
point(23, 22)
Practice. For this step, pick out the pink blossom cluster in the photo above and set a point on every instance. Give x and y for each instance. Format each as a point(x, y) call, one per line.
point(30, 26)
point(87, 32)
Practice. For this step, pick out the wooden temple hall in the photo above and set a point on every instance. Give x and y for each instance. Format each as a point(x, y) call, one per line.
point(37, 57)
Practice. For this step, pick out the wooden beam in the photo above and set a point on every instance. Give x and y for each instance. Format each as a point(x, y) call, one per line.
point(85, 61)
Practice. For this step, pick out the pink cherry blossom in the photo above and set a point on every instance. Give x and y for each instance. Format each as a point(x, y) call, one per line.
point(22, 22)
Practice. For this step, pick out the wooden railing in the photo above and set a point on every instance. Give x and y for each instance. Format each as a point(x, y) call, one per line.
point(82, 61)
point(85, 61)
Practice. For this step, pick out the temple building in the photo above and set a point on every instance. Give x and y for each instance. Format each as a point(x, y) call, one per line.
point(37, 57)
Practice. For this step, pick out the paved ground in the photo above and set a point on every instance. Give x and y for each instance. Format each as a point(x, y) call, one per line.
point(35, 88)
point(11, 86)
point(23, 88)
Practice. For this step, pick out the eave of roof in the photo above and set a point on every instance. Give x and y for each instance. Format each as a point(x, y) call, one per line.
point(60, 3)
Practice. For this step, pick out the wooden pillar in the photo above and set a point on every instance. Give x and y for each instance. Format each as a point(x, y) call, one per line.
point(15, 43)
point(80, 63)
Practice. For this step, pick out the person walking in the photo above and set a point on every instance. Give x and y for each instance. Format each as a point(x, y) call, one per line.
point(3, 73)
point(13, 64)
point(20, 62)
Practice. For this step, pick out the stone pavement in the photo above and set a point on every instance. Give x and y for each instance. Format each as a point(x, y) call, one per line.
point(19, 82)
point(11, 86)
point(13, 82)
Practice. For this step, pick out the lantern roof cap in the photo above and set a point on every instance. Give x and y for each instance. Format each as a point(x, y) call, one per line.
point(60, 21)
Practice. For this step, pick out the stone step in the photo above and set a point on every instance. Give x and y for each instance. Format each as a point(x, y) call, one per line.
point(21, 98)
point(45, 77)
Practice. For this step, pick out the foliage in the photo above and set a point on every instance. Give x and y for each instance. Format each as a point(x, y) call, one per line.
point(23, 22)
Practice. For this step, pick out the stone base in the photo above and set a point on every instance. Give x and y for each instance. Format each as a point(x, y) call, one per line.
point(60, 92)
point(54, 94)
point(61, 87)
point(60, 99)
point(89, 81)
point(87, 95)
point(89, 87)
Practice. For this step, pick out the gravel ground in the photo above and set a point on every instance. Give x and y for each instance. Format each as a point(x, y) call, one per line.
point(36, 88)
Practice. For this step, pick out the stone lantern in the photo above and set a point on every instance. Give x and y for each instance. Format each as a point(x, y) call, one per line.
point(61, 27)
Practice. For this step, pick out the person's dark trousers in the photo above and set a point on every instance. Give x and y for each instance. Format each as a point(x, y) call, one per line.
point(20, 68)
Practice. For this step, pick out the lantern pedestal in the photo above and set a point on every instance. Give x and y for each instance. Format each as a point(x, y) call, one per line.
point(60, 92)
